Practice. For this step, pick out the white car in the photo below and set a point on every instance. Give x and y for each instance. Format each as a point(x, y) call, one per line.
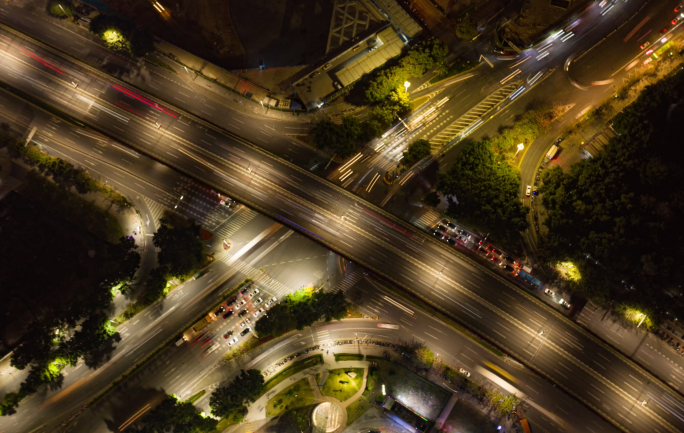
point(258, 301)
point(549, 292)
point(245, 323)
point(255, 292)
point(529, 190)
point(271, 301)
point(233, 341)
point(464, 372)
point(565, 304)
point(258, 312)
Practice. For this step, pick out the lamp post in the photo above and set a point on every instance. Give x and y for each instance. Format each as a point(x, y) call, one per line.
point(643, 316)
point(179, 200)
point(406, 86)
point(520, 147)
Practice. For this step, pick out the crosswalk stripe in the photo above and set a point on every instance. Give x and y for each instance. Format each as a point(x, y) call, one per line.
point(427, 219)
point(157, 211)
point(236, 222)
point(348, 282)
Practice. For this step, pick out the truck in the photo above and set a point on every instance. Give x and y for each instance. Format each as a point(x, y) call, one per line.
point(552, 152)
point(529, 279)
point(202, 323)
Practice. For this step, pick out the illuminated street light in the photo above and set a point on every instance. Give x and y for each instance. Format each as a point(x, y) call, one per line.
point(643, 316)
point(520, 147)
point(406, 86)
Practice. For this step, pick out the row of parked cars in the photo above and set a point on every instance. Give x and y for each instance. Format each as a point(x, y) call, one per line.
point(447, 231)
point(499, 257)
point(233, 305)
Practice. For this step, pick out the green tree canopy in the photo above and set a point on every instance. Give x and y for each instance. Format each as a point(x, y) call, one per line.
point(342, 139)
point(617, 216)
point(466, 29)
point(416, 151)
point(176, 416)
point(245, 388)
point(180, 245)
point(484, 192)
point(301, 309)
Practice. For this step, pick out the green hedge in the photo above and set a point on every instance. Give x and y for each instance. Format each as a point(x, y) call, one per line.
point(296, 367)
point(348, 357)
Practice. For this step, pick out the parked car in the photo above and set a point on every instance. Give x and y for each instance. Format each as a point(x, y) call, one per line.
point(228, 314)
point(242, 313)
point(258, 312)
point(220, 310)
point(549, 292)
point(464, 372)
point(254, 292)
point(233, 341)
point(228, 334)
point(258, 301)
point(565, 304)
point(271, 301)
point(245, 332)
point(529, 190)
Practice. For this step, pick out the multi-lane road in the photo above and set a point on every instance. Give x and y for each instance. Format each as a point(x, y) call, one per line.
point(564, 353)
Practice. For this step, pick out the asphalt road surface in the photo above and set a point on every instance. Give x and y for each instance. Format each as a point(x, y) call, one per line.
point(489, 305)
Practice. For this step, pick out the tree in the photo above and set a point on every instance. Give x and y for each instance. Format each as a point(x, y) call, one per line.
point(423, 358)
point(341, 139)
point(432, 199)
point(245, 388)
point(180, 244)
point(141, 44)
point(484, 192)
point(466, 29)
point(416, 151)
point(61, 9)
point(172, 415)
point(155, 286)
point(617, 216)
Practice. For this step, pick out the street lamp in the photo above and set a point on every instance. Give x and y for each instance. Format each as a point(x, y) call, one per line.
point(179, 200)
point(520, 147)
point(643, 316)
point(406, 86)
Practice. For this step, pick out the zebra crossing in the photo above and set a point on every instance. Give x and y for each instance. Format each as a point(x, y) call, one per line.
point(348, 282)
point(427, 220)
point(317, 161)
point(157, 211)
point(238, 220)
point(259, 277)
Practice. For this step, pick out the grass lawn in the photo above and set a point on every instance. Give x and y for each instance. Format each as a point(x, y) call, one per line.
point(292, 369)
point(294, 396)
point(349, 387)
point(363, 403)
point(467, 419)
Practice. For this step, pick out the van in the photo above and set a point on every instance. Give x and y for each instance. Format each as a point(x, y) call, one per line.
point(327, 66)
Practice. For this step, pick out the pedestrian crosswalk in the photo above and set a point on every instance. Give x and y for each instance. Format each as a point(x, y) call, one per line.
point(238, 220)
point(259, 277)
point(317, 161)
point(157, 211)
point(587, 314)
point(427, 220)
point(348, 282)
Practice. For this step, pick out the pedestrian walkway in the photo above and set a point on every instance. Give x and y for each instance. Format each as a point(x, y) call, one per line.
point(348, 282)
point(427, 220)
point(236, 221)
point(258, 276)
point(157, 210)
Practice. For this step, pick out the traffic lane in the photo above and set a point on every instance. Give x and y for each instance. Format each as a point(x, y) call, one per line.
point(197, 102)
point(623, 46)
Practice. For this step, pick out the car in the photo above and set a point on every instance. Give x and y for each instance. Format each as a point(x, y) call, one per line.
point(242, 313)
point(549, 292)
point(452, 242)
point(220, 310)
point(446, 237)
point(663, 30)
point(231, 302)
point(534, 190)
point(245, 332)
point(258, 312)
point(644, 45)
point(509, 268)
point(243, 291)
point(242, 303)
point(233, 341)
point(254, 292)
point(441, 228)
point(271, 301)
point(435, 232)
point(228, 314)
point(245, 323)
point(451, 225)
point(494, 259)
point(314, 74)
point(565, 304)
point(529, 190)
point(648, 53)
point(258, 301)
point(464, 372)
point(482, 250)
point(679, 8)
point(337, 85)
point(493, 250)
point(327, 66)
point(502, 51)
point(510, 259)
point(228, 334)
